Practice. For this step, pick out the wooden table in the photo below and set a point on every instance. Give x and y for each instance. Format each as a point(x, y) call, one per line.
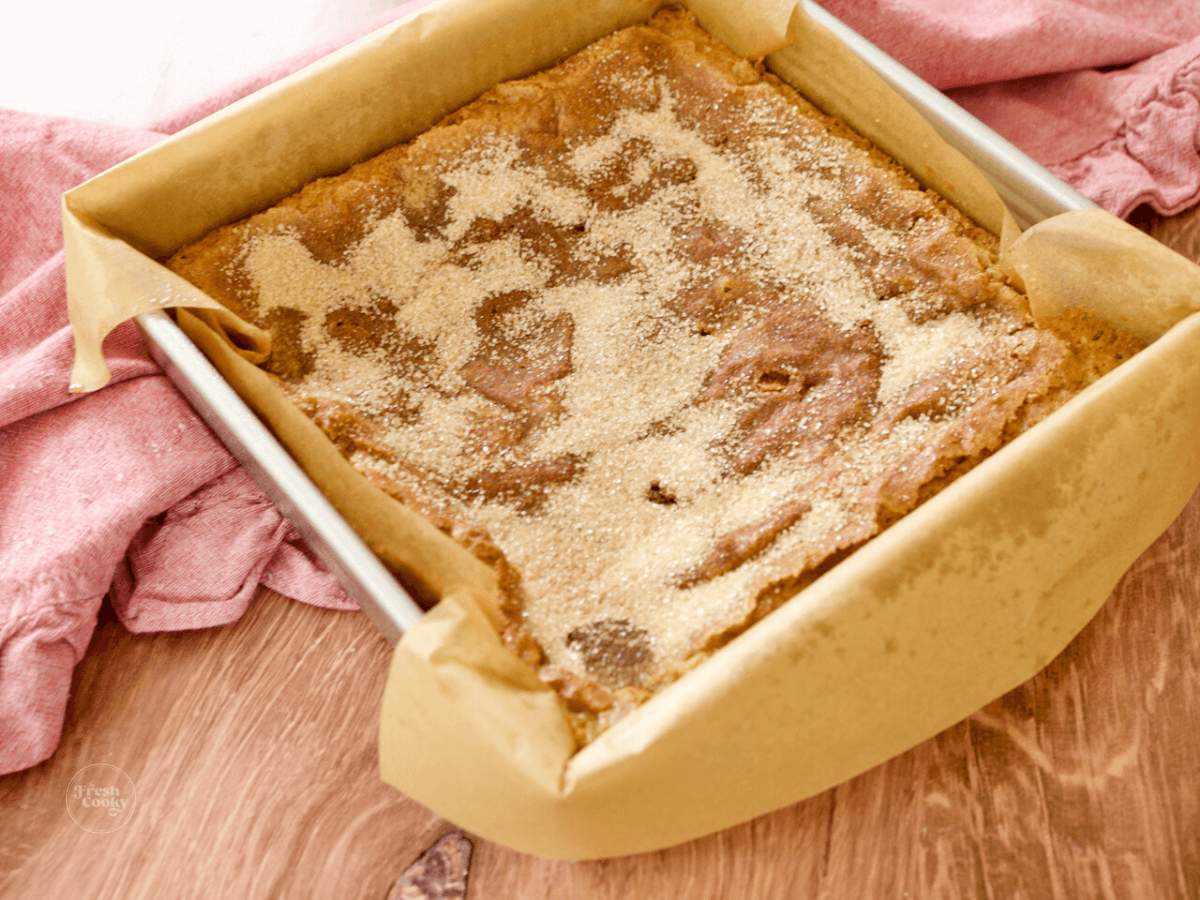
point(252, 750)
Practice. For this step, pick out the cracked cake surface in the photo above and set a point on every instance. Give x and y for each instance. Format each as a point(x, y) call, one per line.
point(652, 334)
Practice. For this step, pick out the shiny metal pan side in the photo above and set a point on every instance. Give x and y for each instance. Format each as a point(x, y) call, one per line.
point(364, 577)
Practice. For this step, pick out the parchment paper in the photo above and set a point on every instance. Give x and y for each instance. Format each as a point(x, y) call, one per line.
point(962, 600)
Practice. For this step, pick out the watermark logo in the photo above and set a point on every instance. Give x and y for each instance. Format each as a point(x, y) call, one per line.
point(100, 798)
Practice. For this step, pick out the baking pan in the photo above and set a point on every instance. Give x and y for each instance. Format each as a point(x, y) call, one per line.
point(1031, 192)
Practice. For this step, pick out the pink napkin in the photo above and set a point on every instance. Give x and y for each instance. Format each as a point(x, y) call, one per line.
point(1040, 73)
point(124, 488)
point(125, 492)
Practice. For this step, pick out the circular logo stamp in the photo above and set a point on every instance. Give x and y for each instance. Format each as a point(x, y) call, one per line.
point(100, 798)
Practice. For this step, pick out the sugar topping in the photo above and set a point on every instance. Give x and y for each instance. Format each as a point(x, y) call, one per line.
point(658, 367)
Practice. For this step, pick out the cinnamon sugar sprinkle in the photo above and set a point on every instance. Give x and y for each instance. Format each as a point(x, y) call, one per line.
point(621, 360)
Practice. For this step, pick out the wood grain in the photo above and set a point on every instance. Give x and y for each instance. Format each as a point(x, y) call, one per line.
point(252, 748)
point(1082, 783)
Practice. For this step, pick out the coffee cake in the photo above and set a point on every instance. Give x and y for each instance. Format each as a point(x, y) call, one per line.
point(652, 335)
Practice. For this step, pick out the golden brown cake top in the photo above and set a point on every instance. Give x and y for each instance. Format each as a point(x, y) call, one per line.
point(670, 337)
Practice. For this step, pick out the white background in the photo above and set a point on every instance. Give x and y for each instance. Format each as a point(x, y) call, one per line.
point(130, 62)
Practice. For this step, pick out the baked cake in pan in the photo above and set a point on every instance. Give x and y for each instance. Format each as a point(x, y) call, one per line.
point(652, 335)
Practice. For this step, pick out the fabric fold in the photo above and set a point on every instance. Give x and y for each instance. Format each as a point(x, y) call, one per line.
point(952, 44)
point(1122, 138)
point(37, 656)
point(1102, 92)
point(82, 475)
point(177, 576)
point(1153, 157)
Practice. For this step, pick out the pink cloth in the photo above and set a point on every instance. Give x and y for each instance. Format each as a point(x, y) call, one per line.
point(1039, 72)
point(125, 492)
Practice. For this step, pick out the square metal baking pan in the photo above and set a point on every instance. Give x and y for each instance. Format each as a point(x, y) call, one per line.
point(1031, 192)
